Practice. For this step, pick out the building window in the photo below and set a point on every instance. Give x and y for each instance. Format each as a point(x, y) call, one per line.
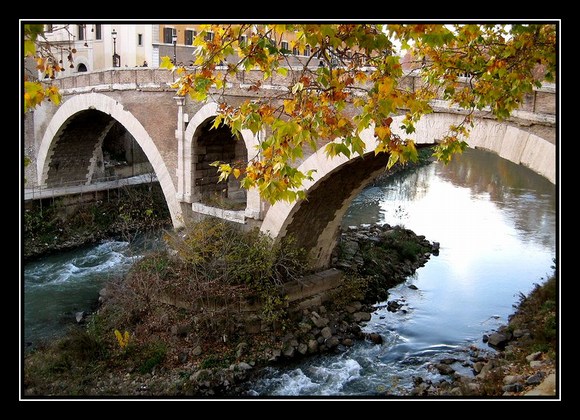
point(99, 32)
point(190, 36)
point(284, 46)
point(168, 35)
point(48, 28)
point(140, 40)
point(81, 32)
point(307, 51)
point(296, 50)
point(209, 36)
point(242, 40)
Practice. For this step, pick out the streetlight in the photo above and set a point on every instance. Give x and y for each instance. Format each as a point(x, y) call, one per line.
point(174, 39)
point(116, 57)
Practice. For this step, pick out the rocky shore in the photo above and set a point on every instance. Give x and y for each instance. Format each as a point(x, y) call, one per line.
point(372, 258)
point(497, 372)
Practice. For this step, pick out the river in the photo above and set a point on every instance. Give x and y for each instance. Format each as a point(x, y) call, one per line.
point(496, 225)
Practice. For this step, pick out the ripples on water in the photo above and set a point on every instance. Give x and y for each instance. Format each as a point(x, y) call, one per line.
point(58, 286)
point(78, 265)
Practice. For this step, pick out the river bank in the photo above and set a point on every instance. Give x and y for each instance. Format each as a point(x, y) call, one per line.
point(524, 363)
point(54, 225)
point(180, 350)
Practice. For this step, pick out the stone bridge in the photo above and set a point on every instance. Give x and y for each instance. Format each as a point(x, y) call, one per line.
point(108, 118)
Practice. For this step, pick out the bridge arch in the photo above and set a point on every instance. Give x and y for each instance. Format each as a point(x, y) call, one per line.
point(513, 142)
point(189, 187)
point(78, 104)
point(315, 222)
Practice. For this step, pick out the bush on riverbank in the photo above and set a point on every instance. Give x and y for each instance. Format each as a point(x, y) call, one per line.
point(209, 271)
point(537, 314)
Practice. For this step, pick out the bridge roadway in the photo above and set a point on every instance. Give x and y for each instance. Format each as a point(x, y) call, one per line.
point(136, 106)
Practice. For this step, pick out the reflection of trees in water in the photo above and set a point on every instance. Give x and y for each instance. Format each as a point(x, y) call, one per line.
point(486, 172)
point(528, 198)
point(400, 187)
point(409, 186)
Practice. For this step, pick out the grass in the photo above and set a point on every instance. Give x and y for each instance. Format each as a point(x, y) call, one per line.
point(536, 313)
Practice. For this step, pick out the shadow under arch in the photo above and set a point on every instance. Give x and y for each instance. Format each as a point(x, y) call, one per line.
point(188, 191)
point(111, 107)
point(314, 223)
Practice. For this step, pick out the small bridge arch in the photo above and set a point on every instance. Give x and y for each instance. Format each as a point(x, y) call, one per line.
point(193, 162)
point(115, 111)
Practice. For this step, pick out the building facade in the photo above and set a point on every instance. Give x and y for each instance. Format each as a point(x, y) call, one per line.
point(88, 47)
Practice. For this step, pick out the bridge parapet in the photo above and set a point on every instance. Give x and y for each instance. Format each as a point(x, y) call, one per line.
point(119, 79)
point(541, 101)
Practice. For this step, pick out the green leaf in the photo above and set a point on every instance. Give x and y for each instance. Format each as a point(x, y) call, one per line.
point(393, 158)
point(29, 48)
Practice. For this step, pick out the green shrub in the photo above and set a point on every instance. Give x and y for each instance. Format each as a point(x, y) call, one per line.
point(153, 355)
point(219, 253)
point(354, 287)
point(214, 361)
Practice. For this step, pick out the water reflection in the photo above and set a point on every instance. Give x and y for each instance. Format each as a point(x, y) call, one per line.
point(527, 198)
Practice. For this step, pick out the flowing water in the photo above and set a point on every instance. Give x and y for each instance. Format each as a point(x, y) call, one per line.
point(496, 225)
point(59, 286)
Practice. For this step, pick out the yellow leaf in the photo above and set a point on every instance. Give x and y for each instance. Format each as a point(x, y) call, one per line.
point(392, 159)
point(236, 173)
point(166, 63)
point(54, 95)
point(381, 148)
point(297, 88)
point(385, 87)
point(289, 106)
point(29, 48)
point(267, 153)
point(122, 340)
point(383, 132)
